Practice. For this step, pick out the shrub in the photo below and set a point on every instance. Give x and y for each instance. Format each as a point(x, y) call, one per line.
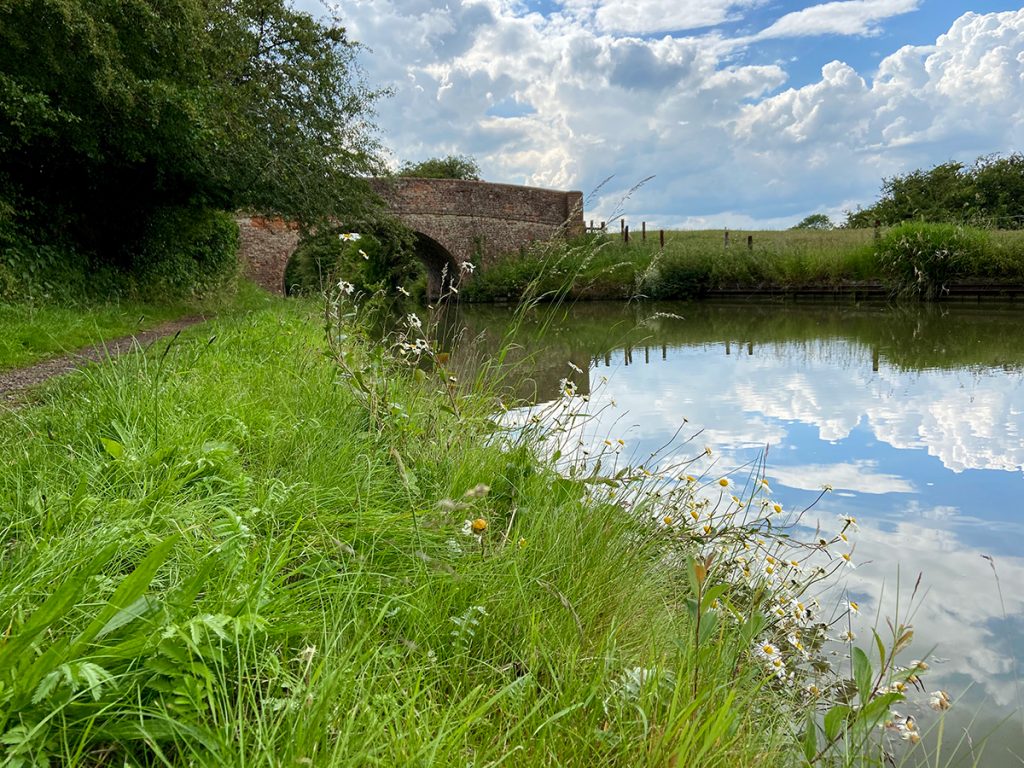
point(381, 257)
point(186, 252)
point(921, 258)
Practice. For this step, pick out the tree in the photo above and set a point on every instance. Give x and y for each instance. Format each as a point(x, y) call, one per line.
point(815, 221)
point(988, 193)
point(450, 167)
point(111, 112)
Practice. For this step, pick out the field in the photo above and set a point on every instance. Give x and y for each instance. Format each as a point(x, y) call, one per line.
point(699, 263)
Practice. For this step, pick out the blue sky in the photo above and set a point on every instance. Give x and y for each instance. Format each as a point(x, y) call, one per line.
point(748, 113)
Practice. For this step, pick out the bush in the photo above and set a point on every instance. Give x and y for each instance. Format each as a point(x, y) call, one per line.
point(382, 257)
point(186, 252)
point(921, 258)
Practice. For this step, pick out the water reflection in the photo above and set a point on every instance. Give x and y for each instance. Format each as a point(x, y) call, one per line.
point(915, 416)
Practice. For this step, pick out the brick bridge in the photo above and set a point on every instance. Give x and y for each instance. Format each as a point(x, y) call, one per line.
point(454, 222)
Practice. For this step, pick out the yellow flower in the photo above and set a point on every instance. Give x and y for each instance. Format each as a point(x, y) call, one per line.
point(479, 526)
point(724, 482)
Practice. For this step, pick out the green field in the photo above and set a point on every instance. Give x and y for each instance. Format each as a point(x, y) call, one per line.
point(694, 264)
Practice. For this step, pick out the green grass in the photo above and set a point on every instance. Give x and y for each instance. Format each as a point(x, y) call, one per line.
point(32, 332)
point(694, 264)
point(211, 558)
point(239, 550)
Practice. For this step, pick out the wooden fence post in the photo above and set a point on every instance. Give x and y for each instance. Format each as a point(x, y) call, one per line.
point(750, 242)
point(727, 238)
point(625, 235)
point(661, 237)
point(643, 231)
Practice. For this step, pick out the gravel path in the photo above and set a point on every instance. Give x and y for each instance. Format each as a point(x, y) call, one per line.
point(13, 383)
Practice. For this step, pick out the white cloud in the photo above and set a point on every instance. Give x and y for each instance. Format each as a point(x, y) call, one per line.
point(845, 17)
point(859, 476)
point(699, 111)
point(644, 16)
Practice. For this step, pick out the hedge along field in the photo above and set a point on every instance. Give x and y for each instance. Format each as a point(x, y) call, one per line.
point(235, 549)
point(694, 264)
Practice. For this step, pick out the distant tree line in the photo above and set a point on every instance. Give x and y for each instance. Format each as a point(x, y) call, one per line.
point(989, 193)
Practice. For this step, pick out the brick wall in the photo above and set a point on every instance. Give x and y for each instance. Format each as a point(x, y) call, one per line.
point(472, 220)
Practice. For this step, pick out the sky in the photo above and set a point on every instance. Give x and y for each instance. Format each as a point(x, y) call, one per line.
point(746, 113)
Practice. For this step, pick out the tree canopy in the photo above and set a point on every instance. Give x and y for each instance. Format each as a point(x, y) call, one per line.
point(113, 111)
point(815, 221)
point(989, 193)
point(450, 167)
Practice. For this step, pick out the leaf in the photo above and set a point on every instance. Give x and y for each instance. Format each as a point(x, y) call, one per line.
point(862, 675)
point(881, 649)
point(903, 641)
point(834, 720)
point(810, 738)
point(712, 594)
point(131, 589)
point(112, 447)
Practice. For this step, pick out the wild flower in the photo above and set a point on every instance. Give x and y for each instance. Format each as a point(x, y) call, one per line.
point(364, 254)
point(479, 526)
point(575, 367)
point(846, 636)
point(724, 481)
point(567, 387)
point(940, 701)
point(402, 291)
point(414, 321)
point(349, 236)
point(853, 607)
point(467, 266)
point(346, 287)
point(847, 559)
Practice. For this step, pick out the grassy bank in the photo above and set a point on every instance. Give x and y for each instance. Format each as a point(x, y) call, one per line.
point(35, 331)
point(696, 264)
point(240, 551)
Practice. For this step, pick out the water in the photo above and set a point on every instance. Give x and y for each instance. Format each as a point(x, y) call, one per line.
point(914, 416)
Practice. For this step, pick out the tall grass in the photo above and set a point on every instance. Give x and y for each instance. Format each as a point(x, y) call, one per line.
point(694, 264)
point(32, 331)
point(237, 550)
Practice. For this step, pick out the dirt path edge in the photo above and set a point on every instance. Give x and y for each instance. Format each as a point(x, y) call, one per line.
point(14, 382)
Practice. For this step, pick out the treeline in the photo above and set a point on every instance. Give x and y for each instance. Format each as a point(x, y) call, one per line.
point(127, 129)
point(988, 194)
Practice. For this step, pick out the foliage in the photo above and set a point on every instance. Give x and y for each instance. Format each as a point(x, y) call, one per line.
point(450, 167)
point(921, 259)
point(113, 114)
point(815, 221)
point(186, 251)
point(990, 193)
point(381, 255)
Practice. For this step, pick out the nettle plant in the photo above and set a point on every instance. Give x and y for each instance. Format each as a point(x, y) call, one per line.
point(756, 577)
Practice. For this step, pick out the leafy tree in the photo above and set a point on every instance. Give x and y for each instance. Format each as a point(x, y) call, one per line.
point(815, 221)
point(988, 193)
point(450, 167)
point(112, 112)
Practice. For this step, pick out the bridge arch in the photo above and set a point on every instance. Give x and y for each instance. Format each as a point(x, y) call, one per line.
point(441, 266)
